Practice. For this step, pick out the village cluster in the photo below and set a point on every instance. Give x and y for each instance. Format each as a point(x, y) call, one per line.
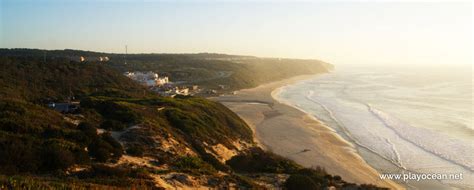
point(161, 85)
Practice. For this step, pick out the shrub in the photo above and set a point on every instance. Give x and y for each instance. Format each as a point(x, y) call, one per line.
point(113, 125)
point(112, 110)
point(135, 150)
point(101, 154)
point(88, 129)
point(8, 124)
point(300, 182)
point(52, 133)
point(257, 160)
point(81, 156)
point(187, 163)
point(99, 149)
point(18, 155)
point(100, 170)
point(117, 149)
point(56, 157)
point(104, 148)
point(318, 174)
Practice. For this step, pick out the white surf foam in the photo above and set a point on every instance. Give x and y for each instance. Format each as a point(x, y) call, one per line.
point(378, 116)
point(456, 150)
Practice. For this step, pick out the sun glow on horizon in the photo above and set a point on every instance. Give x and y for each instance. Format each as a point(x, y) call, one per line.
point(427, 33)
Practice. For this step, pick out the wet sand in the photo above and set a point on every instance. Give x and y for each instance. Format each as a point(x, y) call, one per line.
point(296, 135)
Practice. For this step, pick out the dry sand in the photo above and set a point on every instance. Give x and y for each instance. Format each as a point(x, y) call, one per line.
point(288, 131)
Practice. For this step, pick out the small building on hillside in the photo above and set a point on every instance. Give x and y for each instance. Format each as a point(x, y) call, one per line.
point(92, 59)
point(68, 107)
point(173, 91)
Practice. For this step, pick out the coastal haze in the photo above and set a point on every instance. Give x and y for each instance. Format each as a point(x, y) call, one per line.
point(291, 94)
point(341, 32)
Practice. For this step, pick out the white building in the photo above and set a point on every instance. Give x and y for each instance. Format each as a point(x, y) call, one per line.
point(83, 58)
point(147, 78)
point(162, 81)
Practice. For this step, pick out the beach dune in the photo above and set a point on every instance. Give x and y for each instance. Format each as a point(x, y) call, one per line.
point(298, 136)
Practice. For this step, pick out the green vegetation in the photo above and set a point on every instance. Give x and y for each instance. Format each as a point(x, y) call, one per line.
point(35, 182)
point(207, 70)
point(60, 79)
point(212, 70)
point(193, 165)
point(105, 148)
point(135, 150)
point(37, 140)
point(193, 120)
point(300, 182)
point(113, 125)
point(258, 161)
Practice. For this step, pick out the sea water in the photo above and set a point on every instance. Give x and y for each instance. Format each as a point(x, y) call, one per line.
point(401, 119)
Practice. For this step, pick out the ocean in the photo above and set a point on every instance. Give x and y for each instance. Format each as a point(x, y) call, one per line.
point(400, 119)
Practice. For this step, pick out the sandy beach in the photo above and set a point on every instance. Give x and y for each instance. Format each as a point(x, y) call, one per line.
point(288, 131)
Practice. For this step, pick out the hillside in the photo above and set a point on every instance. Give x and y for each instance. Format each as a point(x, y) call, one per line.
point(211, 71)
point(31, 79)
point(123, 135)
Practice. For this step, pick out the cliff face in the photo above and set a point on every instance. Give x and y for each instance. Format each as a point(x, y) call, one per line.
point(179, 142)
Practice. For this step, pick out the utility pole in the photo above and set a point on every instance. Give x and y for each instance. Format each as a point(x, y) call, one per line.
point(125, 56)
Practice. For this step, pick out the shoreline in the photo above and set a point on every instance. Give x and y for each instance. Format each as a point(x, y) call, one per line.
point(287, 131)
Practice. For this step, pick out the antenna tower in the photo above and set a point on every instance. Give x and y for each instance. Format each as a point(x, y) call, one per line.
point(125, 56)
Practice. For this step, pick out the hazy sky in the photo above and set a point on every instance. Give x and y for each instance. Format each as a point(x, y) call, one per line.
point(341, 32)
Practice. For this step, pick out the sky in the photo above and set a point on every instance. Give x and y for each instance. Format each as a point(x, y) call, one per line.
point(339, 32)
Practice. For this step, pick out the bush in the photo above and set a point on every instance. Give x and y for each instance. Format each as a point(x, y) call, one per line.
point(257, 160)
point(187, 163)
point(99, 149)
point(8, 124)
point(81, 156)
point(101, 154)
point(117, 149)
point(135, 150)
point(113, 125)
point(100, 170)
point(30, 155)
point(318, 175)
point(52, 133)
point(104, 148)
point(56, 157)
point(112, 110)
point(18, 155)
point(300, 182)
point(88, 129)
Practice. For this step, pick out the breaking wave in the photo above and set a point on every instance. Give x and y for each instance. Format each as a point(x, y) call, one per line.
point(455, 150)
point(396, 161)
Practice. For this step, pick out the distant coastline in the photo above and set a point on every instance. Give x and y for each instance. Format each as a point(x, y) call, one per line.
point(294, 134)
